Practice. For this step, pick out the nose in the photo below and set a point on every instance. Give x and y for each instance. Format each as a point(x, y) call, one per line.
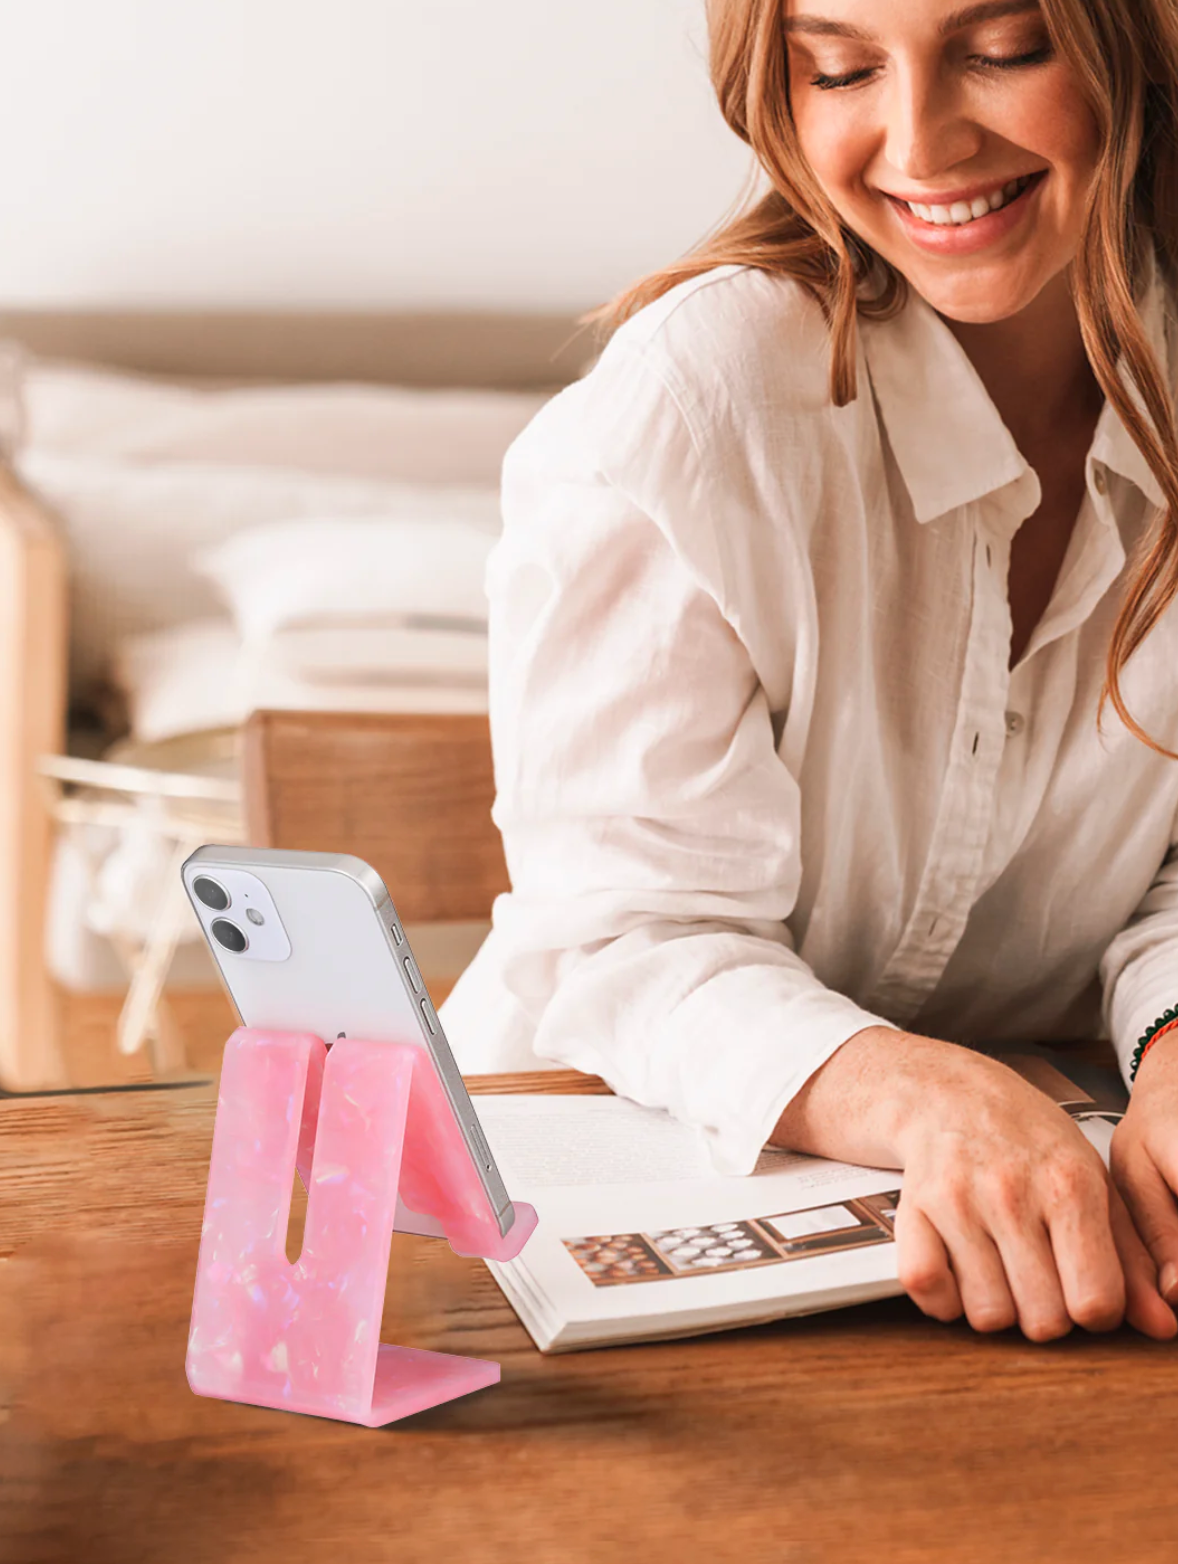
point(928, 129)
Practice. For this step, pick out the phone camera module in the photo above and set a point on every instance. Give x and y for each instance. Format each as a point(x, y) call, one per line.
point(209, 892)
point(229, 935)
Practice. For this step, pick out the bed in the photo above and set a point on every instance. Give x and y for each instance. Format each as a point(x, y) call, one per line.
point(525, 358)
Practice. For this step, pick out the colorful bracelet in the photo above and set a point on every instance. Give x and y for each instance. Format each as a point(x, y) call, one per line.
point(1167, 1022)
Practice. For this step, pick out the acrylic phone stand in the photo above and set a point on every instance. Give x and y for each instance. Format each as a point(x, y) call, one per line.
point(374, 1138)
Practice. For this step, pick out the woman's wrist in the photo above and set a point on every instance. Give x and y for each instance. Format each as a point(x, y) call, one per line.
point(1166, 1026)
point(1157, 1062)
point(870, 1099)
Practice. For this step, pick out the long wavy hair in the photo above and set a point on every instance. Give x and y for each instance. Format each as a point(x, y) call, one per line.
point(1125, 57)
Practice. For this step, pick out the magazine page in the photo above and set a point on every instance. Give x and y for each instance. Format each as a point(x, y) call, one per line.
point(638, 1237)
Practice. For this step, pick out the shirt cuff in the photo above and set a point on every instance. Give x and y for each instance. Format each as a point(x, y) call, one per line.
point(793, 1038)
point(729, 1056)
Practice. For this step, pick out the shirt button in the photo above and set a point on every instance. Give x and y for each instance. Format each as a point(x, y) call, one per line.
point(1099, 481)
point(1014, 722)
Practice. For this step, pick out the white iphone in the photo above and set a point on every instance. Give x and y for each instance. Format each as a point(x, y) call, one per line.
point(311, 942)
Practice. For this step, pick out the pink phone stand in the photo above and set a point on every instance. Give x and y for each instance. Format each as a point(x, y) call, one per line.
point(374, 1138)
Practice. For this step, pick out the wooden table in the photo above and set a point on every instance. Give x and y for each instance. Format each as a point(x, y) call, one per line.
point(869, 1434)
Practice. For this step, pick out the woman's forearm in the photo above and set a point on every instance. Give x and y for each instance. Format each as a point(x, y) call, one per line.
point(862, 1104)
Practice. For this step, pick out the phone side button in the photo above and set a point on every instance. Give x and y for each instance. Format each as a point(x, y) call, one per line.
point(480, 1140)
point(429, 1020)
point(414, 974)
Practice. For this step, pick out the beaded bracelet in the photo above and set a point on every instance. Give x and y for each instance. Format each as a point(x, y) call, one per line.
point(1166, 1022)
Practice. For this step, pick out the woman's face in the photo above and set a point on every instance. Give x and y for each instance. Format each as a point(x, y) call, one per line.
point(926, 103)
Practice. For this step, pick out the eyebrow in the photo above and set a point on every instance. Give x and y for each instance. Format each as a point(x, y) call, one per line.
point(967, 16)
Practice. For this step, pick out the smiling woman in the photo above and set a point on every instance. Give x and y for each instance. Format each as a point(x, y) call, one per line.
point(1107, 101)
point(806, 609)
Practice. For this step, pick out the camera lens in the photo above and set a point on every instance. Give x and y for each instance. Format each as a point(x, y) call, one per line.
point(229, 935)
point(212, 894)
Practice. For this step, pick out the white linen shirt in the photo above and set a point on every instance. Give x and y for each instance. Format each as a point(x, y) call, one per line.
point(763, 774)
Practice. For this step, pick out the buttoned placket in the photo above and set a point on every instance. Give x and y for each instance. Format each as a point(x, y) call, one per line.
point(960, 836)
point(1092, 562)
point(994, 490)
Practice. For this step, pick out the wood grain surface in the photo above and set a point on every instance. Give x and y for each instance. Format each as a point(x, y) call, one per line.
point(867, 1434)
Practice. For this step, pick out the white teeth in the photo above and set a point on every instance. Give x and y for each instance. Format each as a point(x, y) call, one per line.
point(961, 212)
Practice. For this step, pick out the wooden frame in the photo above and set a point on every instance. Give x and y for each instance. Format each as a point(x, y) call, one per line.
point(32, 724)
point(455, 348)
point(492, 349)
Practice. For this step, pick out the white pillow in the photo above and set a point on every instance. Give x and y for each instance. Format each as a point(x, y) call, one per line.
point(194, 676)
point(378, 571)
point(379, 657)
point(390, 433)
point(131, 531)
point(186, 679)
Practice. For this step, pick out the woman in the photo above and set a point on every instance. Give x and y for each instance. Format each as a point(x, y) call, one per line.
point(809, 602)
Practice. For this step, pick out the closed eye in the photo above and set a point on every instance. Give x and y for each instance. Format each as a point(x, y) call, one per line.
point(1005, 62)
point(1010, 61)
point(827, 82)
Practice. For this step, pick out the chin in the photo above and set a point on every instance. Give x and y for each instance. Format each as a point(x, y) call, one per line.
point(971, 309)
point(977, 299)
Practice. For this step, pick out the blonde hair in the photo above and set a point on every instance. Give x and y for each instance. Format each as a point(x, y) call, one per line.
point(1125, 56)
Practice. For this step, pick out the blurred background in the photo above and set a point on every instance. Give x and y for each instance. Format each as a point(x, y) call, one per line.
point(279, 285)
point(348, 153)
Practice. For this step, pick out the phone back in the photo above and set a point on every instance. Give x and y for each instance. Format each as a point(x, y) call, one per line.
point(349, 970)
point(340, 975)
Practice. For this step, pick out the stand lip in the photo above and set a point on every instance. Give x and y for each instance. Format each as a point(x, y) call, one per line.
point(524, 1216)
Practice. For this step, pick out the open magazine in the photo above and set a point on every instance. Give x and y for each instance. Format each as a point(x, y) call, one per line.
point(639, 1239)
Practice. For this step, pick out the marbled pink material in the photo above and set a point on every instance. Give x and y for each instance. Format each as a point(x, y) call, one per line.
point(361, 1121)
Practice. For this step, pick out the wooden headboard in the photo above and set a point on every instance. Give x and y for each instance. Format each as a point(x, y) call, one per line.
point(485, 349)
point(478, 348)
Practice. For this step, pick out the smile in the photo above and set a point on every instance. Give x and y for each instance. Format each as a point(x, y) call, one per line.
point(976, 221)
point(960, 213)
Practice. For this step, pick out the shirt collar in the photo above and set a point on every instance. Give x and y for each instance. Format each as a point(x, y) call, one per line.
point(948, 438)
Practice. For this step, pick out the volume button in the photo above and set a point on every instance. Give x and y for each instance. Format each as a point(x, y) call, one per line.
point(480, 1141)
point(429, 1021)
point(414, 974)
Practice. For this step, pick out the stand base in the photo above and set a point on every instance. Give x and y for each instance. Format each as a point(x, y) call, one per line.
point(409, 1379)
point(360, 1123)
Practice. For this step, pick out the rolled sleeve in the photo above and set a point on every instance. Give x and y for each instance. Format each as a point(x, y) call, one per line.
point(650, 826)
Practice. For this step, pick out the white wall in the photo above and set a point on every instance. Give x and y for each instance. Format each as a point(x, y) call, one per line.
point(516, 153)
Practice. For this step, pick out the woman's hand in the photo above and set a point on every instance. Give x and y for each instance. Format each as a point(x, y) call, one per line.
point(1009, 1217)
point(1144, 1159)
